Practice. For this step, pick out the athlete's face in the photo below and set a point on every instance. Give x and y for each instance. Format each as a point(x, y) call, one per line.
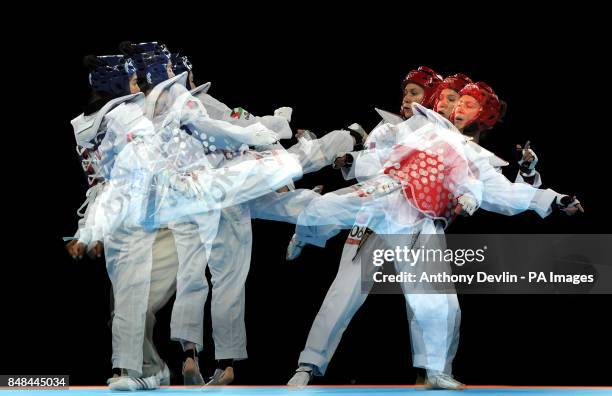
point(446, 102)
point(190, 80)
point(413, 93)
point(134, 88)
point(169, 69)
point(466, 110)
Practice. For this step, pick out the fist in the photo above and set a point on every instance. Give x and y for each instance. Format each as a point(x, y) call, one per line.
point(96, 250)
point(284, 112)
point(527, 154)
point(466, 205)
point(569, 205)
point(305, 133)
point(75, 249)
point(340, 162)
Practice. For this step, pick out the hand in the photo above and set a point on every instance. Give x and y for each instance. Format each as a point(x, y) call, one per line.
point(184, 183)
point(466, 205)
point(188, 185)
point(340, 162)
point(76, 249)
point(569, 205)
point(259, 135)
point(527, 154)
point(528, 161)
point(305, 133)
point(358, 134)
point(284, 112)
point(96, 250)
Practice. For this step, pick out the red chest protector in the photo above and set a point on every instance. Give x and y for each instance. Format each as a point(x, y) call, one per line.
point(426, 177)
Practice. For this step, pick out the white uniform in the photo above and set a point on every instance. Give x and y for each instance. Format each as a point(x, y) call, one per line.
point(231, 251)
point(434, 318)
point(161, 289)
point(131, 163)
point(230, 261)
point(312, 154)
point(139, 288)
point(186, 324)
point(192, 287)
point(163, 270)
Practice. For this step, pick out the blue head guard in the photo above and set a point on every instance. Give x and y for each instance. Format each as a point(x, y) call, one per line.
point(112, 75)
point(180, 64)
point(151, 60)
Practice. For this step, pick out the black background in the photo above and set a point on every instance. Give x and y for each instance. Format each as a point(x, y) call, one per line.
point(333, 70)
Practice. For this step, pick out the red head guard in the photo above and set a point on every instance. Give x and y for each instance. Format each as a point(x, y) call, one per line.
point(490, 106)
point(427, 79)
point(456, 82)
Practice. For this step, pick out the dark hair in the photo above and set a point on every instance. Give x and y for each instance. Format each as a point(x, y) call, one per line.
point(144, 85)
point(126, 48)
point(91, 62)
point(97, 99)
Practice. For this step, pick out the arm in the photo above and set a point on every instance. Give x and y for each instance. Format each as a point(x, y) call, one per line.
point(314, 154)
point(504, 197)
point(527, 163)
point(368, 162)
point(279, 122)
point(222, 134)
